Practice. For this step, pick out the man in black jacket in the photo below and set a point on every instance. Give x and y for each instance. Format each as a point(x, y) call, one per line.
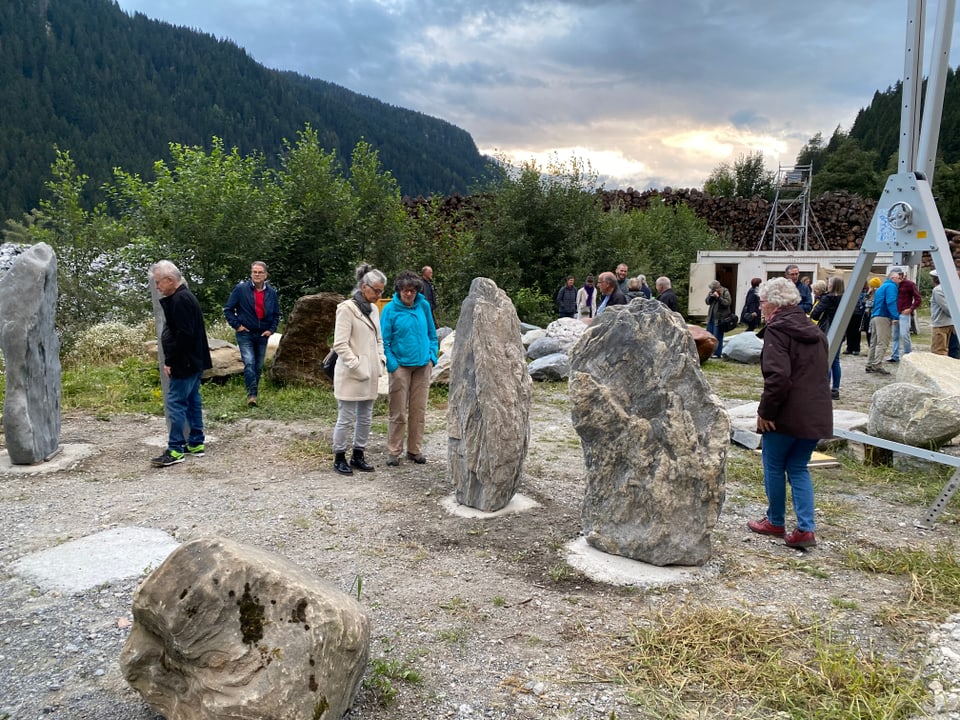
point(609, 292)
point(186, 355)
point(665, 293)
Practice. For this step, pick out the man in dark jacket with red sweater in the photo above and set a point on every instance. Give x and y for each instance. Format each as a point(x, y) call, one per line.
point(186, 355)
point(253, 311)
point(795, 410)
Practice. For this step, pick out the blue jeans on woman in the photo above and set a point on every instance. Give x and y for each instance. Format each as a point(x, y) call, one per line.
point(835, 372)
point(713, 327)
point(184, 412)
point(785, 457)
point(253, 350)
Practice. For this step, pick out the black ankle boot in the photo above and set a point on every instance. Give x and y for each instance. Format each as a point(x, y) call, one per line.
point(340, 464)
point(359, 462)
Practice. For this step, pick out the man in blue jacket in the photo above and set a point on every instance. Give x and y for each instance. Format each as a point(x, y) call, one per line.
point(253, 311)
point(885, 314)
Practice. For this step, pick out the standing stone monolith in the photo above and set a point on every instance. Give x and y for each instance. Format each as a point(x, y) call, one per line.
point(488, 415)
point(224, 630)
point(654, 437)
point(31, 351)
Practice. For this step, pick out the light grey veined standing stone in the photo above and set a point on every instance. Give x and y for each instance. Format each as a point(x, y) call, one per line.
point(488, 415)
point(31, 351)
point(224, 630)
point(654, 436)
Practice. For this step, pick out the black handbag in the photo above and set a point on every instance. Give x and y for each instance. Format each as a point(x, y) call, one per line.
point(729, 322)
point(330, 363)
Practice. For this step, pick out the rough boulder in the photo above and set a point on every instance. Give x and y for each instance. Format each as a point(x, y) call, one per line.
point(223, 630)
point(654, 437)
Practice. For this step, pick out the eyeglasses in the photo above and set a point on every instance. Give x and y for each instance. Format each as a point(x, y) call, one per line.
point(409, 290)
point(376, 290)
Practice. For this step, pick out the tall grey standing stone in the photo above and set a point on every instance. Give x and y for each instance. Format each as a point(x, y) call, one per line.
point(654, 437)
point(488, 415)
point(31, 351)
point(224, 630)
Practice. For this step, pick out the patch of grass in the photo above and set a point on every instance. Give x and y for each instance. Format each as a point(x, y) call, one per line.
point(454, 636)
point(383, 674)
point(934, 578)
point(312, 448)
point(562, 571)
point(498, 601)
point(844, 603)
point(805, 567)
point(455, 605)
point(734, 380)
point(722, 663)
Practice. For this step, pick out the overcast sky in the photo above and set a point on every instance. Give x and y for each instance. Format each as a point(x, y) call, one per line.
point(652, 92)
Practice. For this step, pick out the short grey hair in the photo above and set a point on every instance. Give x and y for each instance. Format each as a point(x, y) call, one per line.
point(780, 292)
point(663, 282)
point(166, 269)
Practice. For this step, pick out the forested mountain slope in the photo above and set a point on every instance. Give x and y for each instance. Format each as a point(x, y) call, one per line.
point(115, 90)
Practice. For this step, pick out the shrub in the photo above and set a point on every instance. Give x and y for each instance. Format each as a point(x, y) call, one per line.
point(107, 343)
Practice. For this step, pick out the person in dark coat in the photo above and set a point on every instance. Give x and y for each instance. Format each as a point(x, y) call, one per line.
point(824, 313)
point(750, 315)
point(665, 293)
point(253, 311)
point(795, 411)
point(186, 355)
point(718, 307)
point(609, 292)
point(567, 298)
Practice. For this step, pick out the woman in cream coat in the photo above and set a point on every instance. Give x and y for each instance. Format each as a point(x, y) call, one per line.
point(360, 363)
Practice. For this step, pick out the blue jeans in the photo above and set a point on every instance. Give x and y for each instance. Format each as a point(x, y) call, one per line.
point(253, 350)
point(714, 329)
point(184, 412)
point(785, 458)
point(901, 339)
point(835, 372)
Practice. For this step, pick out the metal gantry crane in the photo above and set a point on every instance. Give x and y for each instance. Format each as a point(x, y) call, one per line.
point(906, 221)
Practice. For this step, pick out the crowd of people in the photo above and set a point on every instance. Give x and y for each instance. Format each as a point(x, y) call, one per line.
point(791, 314)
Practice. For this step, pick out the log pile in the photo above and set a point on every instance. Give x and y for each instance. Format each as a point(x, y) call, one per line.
point(842, 217)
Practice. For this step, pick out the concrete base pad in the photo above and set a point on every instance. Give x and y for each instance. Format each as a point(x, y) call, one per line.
point(68, 456)
point(616, 570)
point(518, 503)
point(107, 556)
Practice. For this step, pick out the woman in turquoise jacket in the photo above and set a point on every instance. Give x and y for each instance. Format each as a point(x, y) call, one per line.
point(410, 346)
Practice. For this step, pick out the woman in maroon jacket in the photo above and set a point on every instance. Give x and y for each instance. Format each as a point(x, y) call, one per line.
point(795, 409)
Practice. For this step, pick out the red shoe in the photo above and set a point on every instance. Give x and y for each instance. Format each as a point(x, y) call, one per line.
point(800, 539)
point(765, 527)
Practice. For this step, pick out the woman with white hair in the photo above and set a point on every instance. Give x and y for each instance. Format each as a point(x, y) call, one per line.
point(795, 409)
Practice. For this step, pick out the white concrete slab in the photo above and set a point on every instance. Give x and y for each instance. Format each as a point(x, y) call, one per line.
point(616, 570)
point(518, 503)
point(68, 456)
point(107, 556)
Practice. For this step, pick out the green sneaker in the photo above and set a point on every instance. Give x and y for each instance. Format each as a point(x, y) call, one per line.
point(196, 450)
point(170, 457)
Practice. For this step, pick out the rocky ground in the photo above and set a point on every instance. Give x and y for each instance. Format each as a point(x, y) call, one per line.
point(487, 612)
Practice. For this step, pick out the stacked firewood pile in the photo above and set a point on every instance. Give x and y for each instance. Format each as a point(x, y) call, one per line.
point(842, 218)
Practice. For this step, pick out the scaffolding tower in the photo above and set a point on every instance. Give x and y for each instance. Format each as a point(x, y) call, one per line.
point(792, 224)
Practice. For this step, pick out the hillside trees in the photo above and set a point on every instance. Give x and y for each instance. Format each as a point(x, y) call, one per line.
point(210, 213)
point(747, 177)
point(85, 243)
point(317, 245)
